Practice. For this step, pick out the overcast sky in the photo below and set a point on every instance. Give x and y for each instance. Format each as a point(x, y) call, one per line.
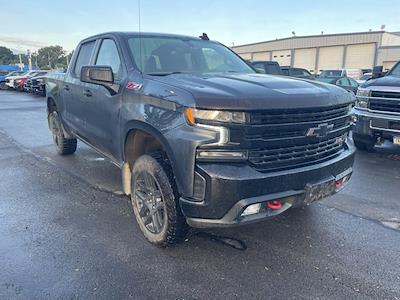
point(33, 24)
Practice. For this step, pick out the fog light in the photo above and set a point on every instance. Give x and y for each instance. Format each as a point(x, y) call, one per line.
point(251, 209)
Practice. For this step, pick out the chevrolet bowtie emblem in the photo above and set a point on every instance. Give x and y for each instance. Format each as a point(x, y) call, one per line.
point(320, 131)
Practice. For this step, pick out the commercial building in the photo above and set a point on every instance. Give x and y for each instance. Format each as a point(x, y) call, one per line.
point(328, 51)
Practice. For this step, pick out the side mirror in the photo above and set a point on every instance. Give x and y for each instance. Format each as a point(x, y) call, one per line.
point(377, 72)
point(101, 75)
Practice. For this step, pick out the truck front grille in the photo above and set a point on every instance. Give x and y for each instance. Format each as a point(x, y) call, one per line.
point(300, 155)
point(280, 139)
point(300, 115)
point(385, 101)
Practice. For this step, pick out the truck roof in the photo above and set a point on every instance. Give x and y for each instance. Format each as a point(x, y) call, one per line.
point(144, 34)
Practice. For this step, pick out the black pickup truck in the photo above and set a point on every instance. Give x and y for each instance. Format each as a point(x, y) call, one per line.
point(200, 137)
point(377, 110)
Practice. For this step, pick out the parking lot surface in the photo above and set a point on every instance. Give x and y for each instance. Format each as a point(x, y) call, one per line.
point(68, 232)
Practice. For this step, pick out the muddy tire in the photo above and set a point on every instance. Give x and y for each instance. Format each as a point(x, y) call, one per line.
point(65, 146)
point(155, 201)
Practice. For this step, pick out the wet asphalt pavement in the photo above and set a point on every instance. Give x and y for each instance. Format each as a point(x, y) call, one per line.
point(66, 232)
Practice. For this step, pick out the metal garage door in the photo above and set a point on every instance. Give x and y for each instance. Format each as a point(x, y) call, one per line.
point(283, 57)
point(305, 58)
point(261, 56)
point(360, 56)
point(387, 65)
point(330, 58)
point(245, 55)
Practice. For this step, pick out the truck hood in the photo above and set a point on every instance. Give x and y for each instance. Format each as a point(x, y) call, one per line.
point(256, 91)
point(386, 81)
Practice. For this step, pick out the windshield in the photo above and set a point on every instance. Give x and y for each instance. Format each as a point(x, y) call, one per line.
point(331, 73)
point(167, 55)
point(396, 70)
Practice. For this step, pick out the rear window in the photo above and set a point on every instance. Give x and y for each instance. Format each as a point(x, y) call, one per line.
point(331, 73)
point(273, 69)
point(83, 59)
point(299, 72)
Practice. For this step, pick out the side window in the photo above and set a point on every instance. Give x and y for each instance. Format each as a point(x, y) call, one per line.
point(343, 82)
point(108, 56)
point(83, 59)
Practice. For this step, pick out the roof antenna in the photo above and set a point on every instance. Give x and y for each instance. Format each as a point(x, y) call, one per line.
point(139, 16)
point(204, 37)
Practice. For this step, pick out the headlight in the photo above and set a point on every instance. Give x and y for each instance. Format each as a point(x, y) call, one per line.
point(362, 98)
point(363, 92)
point(194, 116)
point(362, 103)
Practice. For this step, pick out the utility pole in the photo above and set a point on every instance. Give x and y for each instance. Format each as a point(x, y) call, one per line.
point(48, 57)
point(29, 54)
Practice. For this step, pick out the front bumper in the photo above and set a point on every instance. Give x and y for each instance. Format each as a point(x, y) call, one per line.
point(230, 189)
point(371, 125)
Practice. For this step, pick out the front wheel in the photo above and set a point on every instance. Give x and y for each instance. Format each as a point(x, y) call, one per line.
point(3, 86)
point(64, 145)
point(155, 201)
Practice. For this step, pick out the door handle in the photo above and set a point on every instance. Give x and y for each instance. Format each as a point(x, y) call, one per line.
point(66, 87)
point(87, 93)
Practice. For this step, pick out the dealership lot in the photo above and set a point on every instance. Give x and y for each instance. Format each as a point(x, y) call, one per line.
point(68, 232)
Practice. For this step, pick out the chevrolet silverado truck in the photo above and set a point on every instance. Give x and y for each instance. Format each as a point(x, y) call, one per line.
point(377, 110)
point(202, 140)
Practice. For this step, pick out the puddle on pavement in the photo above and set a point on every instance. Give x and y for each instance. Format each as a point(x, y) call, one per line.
point(225, 240)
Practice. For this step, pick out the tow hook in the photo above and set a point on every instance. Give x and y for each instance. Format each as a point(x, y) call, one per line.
point(274, 205)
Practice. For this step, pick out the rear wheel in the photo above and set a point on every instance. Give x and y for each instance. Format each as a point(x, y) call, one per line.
point(155, 201)
point(64, 145)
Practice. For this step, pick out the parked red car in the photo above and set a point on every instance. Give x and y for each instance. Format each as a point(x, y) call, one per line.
point(20, 81)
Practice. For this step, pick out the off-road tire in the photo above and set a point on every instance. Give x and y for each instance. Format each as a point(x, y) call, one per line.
point(174, 228)
point(65, 146)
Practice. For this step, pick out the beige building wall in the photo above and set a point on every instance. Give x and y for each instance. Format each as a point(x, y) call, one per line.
point(283, 57)
point(330, 58)
point(305, 58)
point(360, 56)
point(262, 55)
point(334, 51)
point(388, 56)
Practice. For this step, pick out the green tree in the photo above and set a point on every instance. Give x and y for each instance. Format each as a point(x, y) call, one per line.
point(51, 57)
point(6, 56)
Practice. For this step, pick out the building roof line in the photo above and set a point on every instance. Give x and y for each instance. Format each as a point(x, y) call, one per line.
point(310, 36)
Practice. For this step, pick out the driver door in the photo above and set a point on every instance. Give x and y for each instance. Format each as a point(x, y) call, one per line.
point(103, 107)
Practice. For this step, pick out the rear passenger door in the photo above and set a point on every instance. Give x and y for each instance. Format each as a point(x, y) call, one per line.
point(102, 106)
point(73, 91)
